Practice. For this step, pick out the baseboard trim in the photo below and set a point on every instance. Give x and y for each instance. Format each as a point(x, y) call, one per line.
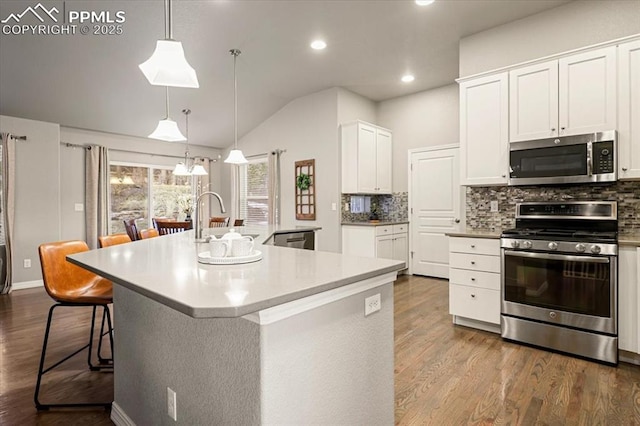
point(27, 284)
point(481, 325)
point(119, 417)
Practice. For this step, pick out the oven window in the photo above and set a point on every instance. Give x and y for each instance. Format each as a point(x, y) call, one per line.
point(563, 285)
point(548, 162)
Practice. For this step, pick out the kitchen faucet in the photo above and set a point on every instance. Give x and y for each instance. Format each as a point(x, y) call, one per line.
point(198, 211)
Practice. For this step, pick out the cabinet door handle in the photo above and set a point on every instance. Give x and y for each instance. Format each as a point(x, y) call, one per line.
point(473, 263)
point(504, 175)
point(473, 296)
point(624, 169)
point(553, 129)
point(473, 279)
point(473, 246)
point(456, 220)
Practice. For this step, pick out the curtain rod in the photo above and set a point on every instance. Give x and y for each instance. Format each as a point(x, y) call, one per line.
point(18, 138)
point(264, 154)
point(75, 145)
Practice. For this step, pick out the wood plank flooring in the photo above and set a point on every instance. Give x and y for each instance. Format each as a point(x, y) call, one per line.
point(444, 374)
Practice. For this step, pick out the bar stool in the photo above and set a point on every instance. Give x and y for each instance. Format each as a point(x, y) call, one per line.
point(113, 240)
point(148, 233)
point(72, 286)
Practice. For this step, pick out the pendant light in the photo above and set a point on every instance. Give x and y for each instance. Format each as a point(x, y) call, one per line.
point(182, 168)
point(235, 156)
point(167, 66)
point(167, 129)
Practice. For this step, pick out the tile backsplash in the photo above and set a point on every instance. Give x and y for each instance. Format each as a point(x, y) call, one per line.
point(479, 215)
point(394, 207)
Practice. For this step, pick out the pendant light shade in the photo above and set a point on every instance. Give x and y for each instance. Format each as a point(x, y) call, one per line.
point(235, 155)
point(198, 170)
point(167, 66)
point(167, 130)
point(181, 170)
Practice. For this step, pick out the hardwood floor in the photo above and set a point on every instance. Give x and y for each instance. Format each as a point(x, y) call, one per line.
point(445, 375)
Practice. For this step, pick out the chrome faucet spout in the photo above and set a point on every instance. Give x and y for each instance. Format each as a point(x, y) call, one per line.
point(199, 212)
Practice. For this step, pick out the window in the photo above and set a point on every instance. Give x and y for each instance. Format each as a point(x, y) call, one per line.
point(254, 191)
point(137, 190)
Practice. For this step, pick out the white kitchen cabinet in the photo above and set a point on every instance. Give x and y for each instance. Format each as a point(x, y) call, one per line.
point(629, 110)
point(366, 159)
point(382, 241)
point(573, 95)
point(484, 130)
point(628, 298)
point(474, 282)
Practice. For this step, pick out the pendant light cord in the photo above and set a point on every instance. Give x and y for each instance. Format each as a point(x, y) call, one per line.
point(168, 18)
point(235, 53)
point(166, 99)
point(186, 113)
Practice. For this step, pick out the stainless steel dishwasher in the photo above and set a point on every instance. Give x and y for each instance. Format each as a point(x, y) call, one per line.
point(302, 240)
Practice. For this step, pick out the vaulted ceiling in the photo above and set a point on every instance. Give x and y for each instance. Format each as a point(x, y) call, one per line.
point(93, 81)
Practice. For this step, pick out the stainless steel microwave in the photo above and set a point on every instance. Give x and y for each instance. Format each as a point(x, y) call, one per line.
point(568, 159)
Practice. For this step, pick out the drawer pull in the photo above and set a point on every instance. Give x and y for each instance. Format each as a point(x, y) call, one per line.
point(473, 279)
point(473, 296)
point(473, 263)
point(473, 246)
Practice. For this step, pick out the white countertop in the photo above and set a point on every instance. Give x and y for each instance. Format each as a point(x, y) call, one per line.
point(166, 270)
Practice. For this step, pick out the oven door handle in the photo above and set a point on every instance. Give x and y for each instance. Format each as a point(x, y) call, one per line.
point(585, 259)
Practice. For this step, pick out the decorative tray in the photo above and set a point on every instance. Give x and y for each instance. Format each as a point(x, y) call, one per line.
point(205, 258)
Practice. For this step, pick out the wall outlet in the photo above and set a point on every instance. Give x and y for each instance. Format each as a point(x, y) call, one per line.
point(494, 206)
point(372, 304)
point(172, 409)
point(27, 263)
point(334, 206)
point(79, 207)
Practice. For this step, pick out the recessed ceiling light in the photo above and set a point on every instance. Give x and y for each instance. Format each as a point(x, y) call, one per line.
point(407, 78)
point(424, 2)
point(318, 44)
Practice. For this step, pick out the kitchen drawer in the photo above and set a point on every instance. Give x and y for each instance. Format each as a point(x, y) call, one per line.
point(474, 303)
point(399, 229)
point(384, 230)
point(488, 280)
point(488, 246)
point(475, 262)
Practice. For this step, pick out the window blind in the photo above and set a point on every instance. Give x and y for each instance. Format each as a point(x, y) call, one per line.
point(254, 192)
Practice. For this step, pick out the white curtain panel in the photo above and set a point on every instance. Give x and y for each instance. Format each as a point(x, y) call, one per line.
point(96, 193)
point(8, 208)
point(274, 187)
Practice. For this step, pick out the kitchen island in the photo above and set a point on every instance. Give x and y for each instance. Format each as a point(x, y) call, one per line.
point(284, 340)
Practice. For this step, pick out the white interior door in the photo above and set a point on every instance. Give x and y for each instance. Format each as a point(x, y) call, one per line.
point(434, 207)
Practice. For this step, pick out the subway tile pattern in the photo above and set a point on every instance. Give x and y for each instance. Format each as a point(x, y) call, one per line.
point(479, 215)
point(394, 207)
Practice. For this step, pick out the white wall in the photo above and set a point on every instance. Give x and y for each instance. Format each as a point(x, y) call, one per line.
point(352, 107)
point(571, 26)
point(37, 192)
point(424, 119)
point(307, 129)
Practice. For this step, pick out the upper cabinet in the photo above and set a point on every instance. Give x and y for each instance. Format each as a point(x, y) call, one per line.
point(484, 130)
point(629, 110)
point(366, 159)
point(573, 95)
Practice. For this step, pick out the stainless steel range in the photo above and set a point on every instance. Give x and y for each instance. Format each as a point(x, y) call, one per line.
point(559, 278)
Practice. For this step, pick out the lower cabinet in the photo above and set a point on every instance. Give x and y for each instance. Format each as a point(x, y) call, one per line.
point(382, 241)
point(474, 282)
point(628, 298)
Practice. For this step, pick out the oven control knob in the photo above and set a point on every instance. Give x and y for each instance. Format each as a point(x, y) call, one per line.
point(580, 248)
point(526, 244)
point(515, 243)
point(553, 245)
point(595, 249)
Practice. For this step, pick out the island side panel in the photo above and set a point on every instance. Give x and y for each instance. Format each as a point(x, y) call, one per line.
point(331, 364)
point(212, 364)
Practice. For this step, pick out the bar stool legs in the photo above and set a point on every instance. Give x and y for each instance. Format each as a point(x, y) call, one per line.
point(41, 370)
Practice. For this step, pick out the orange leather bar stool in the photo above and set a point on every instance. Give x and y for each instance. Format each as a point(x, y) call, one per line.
point(113, 240)
point(70, 285)
point(148, 233)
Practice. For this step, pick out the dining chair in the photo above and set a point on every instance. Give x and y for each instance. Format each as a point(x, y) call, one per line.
point(238, 222)
point(131, 228)
point(148, 233)
point(113, 239)
point(155, 221)
point(72, 286)
point(218, 222)
point(172, 227)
